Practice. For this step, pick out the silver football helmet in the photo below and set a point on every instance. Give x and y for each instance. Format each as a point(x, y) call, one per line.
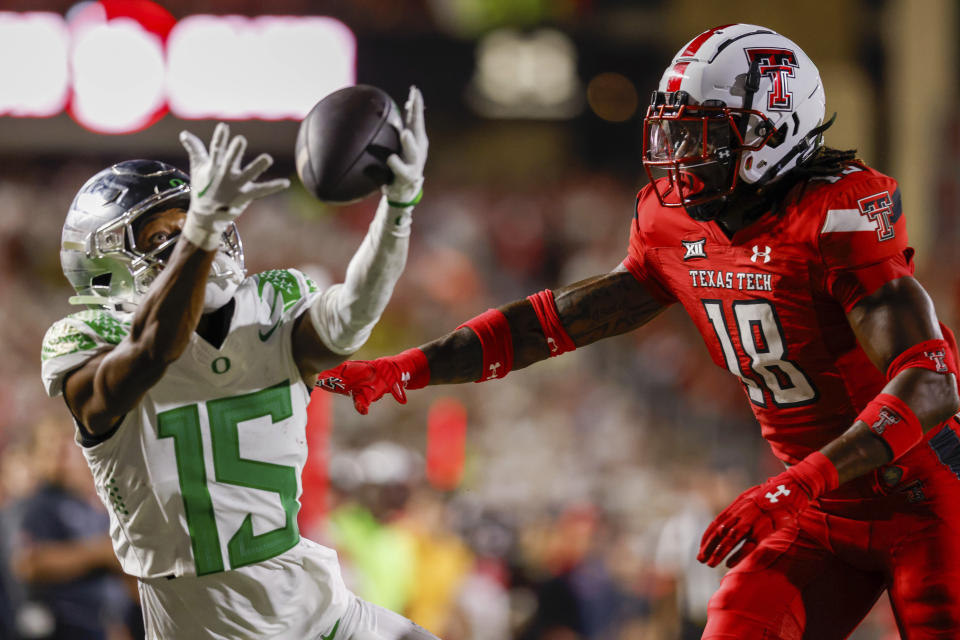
point(98, 248)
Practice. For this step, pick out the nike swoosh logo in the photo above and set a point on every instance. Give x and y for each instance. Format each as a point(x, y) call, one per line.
point(266, 336)
point(332, 633)
point(204, 190)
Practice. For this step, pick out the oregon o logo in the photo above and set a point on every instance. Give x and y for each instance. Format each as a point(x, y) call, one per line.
point(220, 365)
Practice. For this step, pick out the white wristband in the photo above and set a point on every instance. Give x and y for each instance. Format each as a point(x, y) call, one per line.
point(206, 239)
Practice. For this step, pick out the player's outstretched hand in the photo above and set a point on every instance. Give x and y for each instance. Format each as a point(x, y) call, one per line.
point(219, 188)
point(366, 381)
point(408, 170)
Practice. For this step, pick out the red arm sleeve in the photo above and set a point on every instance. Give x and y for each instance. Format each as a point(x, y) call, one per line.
point(863, 239)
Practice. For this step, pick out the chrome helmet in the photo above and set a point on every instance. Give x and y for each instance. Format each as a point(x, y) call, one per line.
point(98, 248)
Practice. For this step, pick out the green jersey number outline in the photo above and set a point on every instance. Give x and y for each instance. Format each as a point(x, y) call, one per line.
point(225, 414)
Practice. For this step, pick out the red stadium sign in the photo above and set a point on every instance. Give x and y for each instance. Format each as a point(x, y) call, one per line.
point(118, 67)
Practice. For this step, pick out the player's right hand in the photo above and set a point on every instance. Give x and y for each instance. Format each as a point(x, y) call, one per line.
point(366, 381)
point(774, 505)
point(219, 188)
point(752, 517)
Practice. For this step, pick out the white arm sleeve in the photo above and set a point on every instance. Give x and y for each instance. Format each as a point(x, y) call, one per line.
point(345, 314)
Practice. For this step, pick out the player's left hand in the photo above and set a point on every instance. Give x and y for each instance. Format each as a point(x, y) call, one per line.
point(774, 505)
point(754, 515)
point(408, 170)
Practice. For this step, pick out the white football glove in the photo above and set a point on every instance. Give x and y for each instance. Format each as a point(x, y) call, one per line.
point(405, 190)
point(219, 189)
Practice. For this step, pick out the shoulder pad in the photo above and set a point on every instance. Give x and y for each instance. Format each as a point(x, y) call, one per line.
point(862, 220)
point(291, 284)
point(82, 331)
point(75, 339)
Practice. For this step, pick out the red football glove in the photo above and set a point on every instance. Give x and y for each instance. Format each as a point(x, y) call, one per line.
point(366, 381)
point(760, 511)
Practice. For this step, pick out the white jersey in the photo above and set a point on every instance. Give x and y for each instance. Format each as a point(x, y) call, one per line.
point(203, 475)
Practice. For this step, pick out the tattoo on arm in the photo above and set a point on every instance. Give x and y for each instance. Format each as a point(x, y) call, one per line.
point(605, 306)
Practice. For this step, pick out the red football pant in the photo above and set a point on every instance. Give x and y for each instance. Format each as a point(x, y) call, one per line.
point(818, 580)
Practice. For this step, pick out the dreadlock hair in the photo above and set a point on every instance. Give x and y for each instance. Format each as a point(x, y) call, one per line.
point(827, 161)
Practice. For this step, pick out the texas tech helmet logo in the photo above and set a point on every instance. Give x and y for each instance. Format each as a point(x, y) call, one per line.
point(778, 65)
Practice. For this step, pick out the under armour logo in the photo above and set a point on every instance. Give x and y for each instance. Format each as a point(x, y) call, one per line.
point(781, 491)
point(404, 378)
point(765, 254)
point(552, 344)
point(493, 370)
point(885, 418)
point(694, 248)
point(938, 359)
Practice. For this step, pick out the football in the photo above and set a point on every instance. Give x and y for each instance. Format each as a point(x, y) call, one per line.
point(344, 142)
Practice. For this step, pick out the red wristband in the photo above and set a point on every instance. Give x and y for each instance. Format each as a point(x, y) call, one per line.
point(935, 355)
point(414, 368)
point(558, 340)
point(816, 474)
point(894, 421)
point(496, 340)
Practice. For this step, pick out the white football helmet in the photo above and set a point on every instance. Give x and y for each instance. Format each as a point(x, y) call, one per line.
point(98, 250)
point(738, 103)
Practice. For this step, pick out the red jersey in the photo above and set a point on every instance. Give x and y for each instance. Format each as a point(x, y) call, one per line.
point(771, 301)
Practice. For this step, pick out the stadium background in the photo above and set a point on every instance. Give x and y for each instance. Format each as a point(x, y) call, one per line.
point(564, 502)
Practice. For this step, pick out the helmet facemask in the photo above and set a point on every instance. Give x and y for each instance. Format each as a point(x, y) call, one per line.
point(116, 242)
point(99, 248)
point(697, 149)
point(766, 98)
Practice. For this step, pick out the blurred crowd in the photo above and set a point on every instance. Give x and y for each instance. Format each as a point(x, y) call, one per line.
point(585, 482)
